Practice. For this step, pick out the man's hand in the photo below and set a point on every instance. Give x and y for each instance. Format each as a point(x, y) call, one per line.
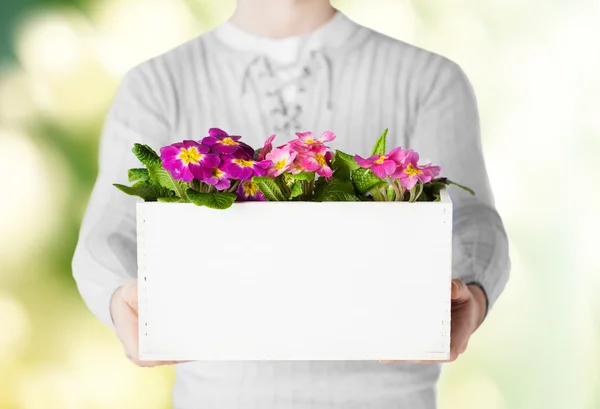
point(468, 310)
point(124, 312)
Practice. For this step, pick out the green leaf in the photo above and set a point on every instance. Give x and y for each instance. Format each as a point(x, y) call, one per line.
point(296, 189)
point(146, 155)
point(147, 191)
point(336, 190)
point(379, 148)
point(308, 176)
point(170, 200)
point(269, 188)
point(343, 164)
point(138, 174)
point(215, 200)
point(285, 185)
point(164, 178)
point(449, 182)
point(365, 180)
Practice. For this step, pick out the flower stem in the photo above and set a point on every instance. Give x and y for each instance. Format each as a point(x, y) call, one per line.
point(396, 190)
point(420, 184)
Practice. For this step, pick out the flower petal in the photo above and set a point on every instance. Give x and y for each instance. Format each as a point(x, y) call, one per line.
point(363, 163)
point(217, 132)
point(327, 136)
point(379, 170)
point(209, 141)
point(389, 166)
point(210, 160)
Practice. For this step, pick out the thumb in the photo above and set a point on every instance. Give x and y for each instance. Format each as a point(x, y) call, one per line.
point(459, 290)
point(130, 294)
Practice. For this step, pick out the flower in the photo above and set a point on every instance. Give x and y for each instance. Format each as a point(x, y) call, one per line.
point(218, 178)
point(429, 172)
point(188, 160)
point(281, 160)
point(248, 191)
point(221, 142)
point(243, 168)
point(267, 147)
point(306, 140)
point(409, 172)
point(382, 165)
point(316, 160)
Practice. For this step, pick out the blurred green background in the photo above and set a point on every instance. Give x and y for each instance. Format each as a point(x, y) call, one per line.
point(535, 67)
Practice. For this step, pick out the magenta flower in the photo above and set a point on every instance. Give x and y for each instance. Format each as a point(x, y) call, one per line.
point(242, 168)
point(188, 160)
point(306, 140)
point(218, 178)
point(267, 147)
point(221, 142)
point(248, 192)
point(281, 160)
point(316, 160)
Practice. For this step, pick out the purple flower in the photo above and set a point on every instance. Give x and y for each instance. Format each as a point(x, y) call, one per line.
point(248, 191)
point(221, 142)
point(218, 178)
point(188, 160)
point(243, 169)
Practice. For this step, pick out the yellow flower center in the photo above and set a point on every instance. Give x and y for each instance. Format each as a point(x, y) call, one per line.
point(412, 171)
point(190, 155)
point(228, 141)
point(310, 141)
point(218, 173)
point(250, 188)
point(380, 160)
point(280, 164)
point(321, 159)
point(244, 163)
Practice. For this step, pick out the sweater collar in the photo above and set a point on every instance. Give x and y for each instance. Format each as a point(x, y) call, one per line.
point(289, 50)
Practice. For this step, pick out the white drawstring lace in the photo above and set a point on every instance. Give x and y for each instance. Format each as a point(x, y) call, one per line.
point(287, 115)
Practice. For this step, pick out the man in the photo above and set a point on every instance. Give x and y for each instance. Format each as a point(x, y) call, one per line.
point(285, 66)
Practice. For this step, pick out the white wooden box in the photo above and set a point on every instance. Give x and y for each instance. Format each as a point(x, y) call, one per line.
point(295, 281)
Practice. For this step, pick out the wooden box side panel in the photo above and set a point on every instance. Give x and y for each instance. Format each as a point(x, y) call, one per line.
point(295, 281)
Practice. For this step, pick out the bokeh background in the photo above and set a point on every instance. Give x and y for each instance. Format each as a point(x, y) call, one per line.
point(535, 66)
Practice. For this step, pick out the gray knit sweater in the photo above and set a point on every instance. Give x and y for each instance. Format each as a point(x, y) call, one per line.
point(342, 77)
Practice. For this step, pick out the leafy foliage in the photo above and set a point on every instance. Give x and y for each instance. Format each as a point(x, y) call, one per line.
point(134, 175)
point(269, 188)
point(380, 145)
point(148, 191)
point(146, 155)
point(365, 180)
point(336, 190)
point(215, 200)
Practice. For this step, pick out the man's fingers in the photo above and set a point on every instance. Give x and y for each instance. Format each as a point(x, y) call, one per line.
point(130, 294)
point(459, 290)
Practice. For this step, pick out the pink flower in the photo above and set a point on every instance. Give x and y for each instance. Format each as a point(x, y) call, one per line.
point(306, 140)
point(267, 147)
point(281, 160)
point(383, 165)
point(429, 172)
point(316, 160)
point(409, 172)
